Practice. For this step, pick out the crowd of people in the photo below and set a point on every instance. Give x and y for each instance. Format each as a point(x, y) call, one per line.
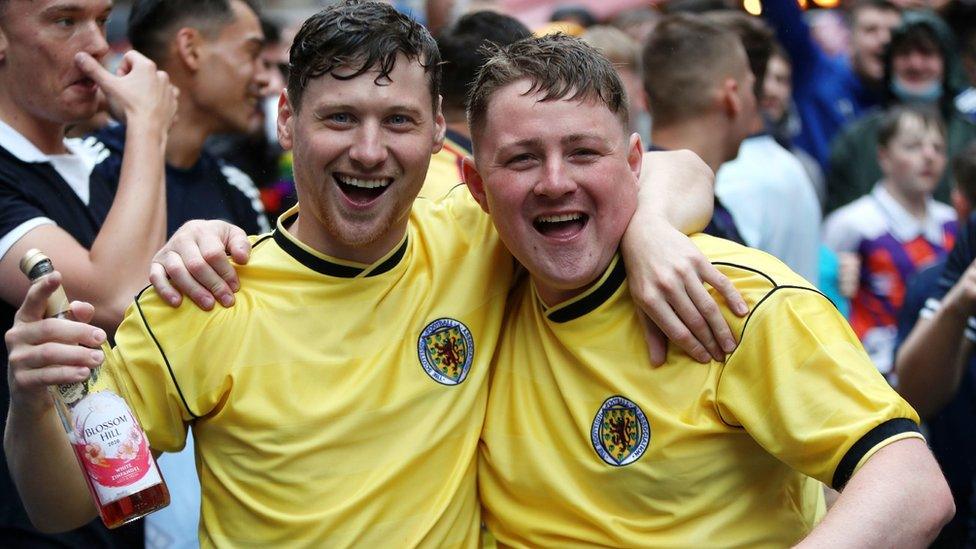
point(421, 279)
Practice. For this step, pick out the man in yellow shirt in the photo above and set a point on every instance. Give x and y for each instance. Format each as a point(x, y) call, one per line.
point(583, 444)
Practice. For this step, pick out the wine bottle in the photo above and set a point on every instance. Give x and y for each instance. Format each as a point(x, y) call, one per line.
point(111, 447)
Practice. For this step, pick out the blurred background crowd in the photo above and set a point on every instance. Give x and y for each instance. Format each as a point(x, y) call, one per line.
point(848, 153)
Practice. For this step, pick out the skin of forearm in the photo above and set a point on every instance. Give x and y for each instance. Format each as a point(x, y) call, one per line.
point(930, 362)
point(47, 474)
point(134, 229)
point(679, 190)
point(899, 498)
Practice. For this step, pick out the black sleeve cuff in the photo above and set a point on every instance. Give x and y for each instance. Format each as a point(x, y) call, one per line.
point(873, 437)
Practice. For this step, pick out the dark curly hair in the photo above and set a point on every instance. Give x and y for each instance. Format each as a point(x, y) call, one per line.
point(360, 36)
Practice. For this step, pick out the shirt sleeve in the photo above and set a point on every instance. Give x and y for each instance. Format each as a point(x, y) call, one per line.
point(959, 259)
point(17, 217)
point(802, 386)
point(158, 366)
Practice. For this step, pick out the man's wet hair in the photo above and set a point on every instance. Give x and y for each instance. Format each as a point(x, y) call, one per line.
point(462, 53)
point(559, 67)
point(355, 37)
point(152, 23)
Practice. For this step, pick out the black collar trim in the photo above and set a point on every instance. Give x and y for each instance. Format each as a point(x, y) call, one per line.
point(592, 298)
point(331, 267)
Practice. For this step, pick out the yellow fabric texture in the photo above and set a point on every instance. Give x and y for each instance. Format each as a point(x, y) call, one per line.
point(445, 172)
point(729, 446)
point(316, 422)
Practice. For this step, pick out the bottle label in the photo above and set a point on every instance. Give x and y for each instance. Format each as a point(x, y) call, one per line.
point(112, 447)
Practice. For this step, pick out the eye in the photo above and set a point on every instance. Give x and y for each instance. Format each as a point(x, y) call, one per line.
point(64, 22)
point(520, 161)
point(585, 154)
point(400, 120)
point(338, 118)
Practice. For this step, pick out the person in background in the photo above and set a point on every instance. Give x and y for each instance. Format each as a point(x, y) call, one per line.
point(940, 386)
point(624, 53)
point(765, 187)
point(700, 93)
point(919, 61)
point(831, 92)
point(460, 46)
point(898, 228)
point(100, 233)
point(211, 51)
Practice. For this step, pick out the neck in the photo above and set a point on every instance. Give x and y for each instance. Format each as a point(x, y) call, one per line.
point(914, 203)
point(313, 233)
point(698, 136)
point(187, 136)
point(47, 136)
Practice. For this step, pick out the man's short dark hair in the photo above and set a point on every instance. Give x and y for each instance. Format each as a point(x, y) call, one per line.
point(964, 172)
point(757, 39)
point(360, 36)
point(684, 59)
point(892, 118)
point(153, 22)
point(558, 67)
point(462, 54)
point(855, 7)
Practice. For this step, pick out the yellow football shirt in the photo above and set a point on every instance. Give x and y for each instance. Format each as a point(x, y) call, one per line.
point(586, 444)
point(445, 171)
point(336, 404)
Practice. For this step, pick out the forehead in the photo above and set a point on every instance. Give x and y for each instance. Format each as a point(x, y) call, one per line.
point(245, 23)
point(514, 114)
point(875, 16)
point(406, 85)
point(33, 7)
point(911, 125)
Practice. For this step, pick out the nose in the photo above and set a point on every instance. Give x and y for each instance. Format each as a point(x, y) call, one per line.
point(95, 44)
point(262, 77)
point(369, 149)
point(553, 181)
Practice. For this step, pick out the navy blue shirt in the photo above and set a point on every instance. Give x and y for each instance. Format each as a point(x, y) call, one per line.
point(210, 189)
point(951, 432)
point(31, 190)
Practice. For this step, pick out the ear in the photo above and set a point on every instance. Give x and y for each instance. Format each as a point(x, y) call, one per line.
point(440, 127)
point(4, 43)
point(187, 45)
point(729, 97)
point(286, 124)
point(960, 203)
point(635, 155)
point(884, 159)
point(474, 182)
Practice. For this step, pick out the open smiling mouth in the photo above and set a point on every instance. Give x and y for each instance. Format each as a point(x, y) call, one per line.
point(362, 190)
point(562, 225)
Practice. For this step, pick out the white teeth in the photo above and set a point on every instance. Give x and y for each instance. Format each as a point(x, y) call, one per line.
point(364, 183)
point(559, 218)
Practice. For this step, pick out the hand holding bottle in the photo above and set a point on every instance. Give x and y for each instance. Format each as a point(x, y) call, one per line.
point(49, 351)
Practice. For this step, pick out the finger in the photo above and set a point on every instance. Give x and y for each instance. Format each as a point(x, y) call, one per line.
point(54, 355)
point(657, 344)
point(676, 331)
point(126, 64)
point(688, 314)
point(159, 280)
point(35, 302)
point(185, 282)
point(725, 288)
point(51, 375)
point(82, 311)
point(59, 330)
point(90, 67)
point(710, 311)
point(213, 252)
point(239, 246)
